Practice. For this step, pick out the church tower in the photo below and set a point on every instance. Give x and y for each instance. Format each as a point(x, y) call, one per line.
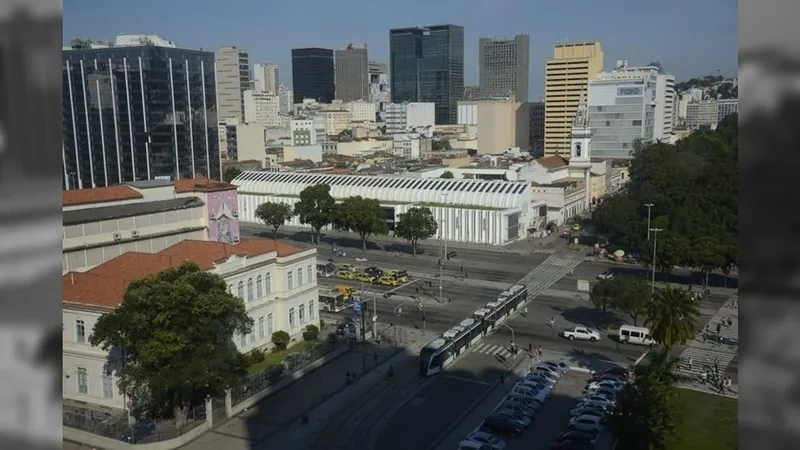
point(581, 137)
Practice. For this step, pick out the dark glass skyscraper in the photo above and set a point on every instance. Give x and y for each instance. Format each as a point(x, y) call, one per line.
point(138, 113)
point(313, 74)
point(427, 65)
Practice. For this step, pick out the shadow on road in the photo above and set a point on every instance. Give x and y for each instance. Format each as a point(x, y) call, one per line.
point(593, 360)
point(353, 243)
point(715, 280)
point(591, 317)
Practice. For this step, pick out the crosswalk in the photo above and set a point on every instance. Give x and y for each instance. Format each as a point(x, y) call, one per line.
point(544, 251)
point(704, 353)
point(491, 349)
point(703, 359)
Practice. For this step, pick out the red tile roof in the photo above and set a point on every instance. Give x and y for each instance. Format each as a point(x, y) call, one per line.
point(552, 162)
point(201, 184)
point(100, 195)
point(105, 285)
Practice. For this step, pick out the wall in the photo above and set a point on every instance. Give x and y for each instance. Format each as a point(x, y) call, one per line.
point(420, 115)
point(355, 147)
point(250, 142)
point(310, 152)
point(224, 207)
point(502, 125)
point(467, 113)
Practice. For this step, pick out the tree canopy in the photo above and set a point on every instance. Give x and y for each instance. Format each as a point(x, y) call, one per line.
point(231, 173)
point(176, 332)
point(274, 215)
point(694, 189)
point(363, 216)
point(415, 225)
point(625, 294)
point(672, 316)
point(447, 175)
point(315, 208)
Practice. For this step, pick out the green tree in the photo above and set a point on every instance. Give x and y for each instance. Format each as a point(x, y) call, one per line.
point(280, 339)
point(672, 317)
point(231, 173)
point(633, 297)
point(642, 418)
point(274, 215)
point(416, 224)
point(310, 333)
point(315, 208)
point(604, 294)
point(440, 144)
point(363, 216)
point(661, 366)
point(447, 175)
point(706, 255)
point(176, 329)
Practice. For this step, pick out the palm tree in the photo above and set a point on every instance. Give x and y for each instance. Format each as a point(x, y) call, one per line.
point(661, 367)
point(672, 317)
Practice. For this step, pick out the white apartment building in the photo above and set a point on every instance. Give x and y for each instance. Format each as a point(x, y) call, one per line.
point(379, 91)
point(622, 109)
point(265, 78)
point(336, 120)
point(286, 97)
point(665, 106)
point(410, 146)
point(276, 281)
point(361, 111)
point(726, 107)
point(303, 132)
point(262, 108)
point(402, 117)
point(704, 113)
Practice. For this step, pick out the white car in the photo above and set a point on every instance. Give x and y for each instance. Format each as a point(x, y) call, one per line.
point(558, 365)
point(548, 369)
point(516, 407)
point(582, 333)
point(598, 399)
point(539, 396)
point(486, 439)
point(545, 373)
point(516, 416)
point(589, 424)
point(539, 378)
point(606, 276)
point(610, 384)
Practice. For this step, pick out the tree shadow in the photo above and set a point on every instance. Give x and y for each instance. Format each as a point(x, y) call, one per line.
point(715, 280)
point(590, 317)
point(592, 360)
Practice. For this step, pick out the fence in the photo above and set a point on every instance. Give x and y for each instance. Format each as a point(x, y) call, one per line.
point(116, 426)
point(293, 362)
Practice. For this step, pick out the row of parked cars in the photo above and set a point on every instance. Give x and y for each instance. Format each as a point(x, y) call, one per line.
point(516, 411)
point(587, 418)
point(372, 275)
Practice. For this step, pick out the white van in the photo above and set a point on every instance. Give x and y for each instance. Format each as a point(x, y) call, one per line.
point(635, 335)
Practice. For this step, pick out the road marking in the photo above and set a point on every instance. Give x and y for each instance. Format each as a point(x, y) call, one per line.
point(455, 377)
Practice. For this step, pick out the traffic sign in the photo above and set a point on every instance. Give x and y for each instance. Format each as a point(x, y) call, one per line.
point(356, 307)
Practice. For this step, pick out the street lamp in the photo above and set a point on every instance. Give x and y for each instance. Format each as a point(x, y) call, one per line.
point(649, 205)
point(444, 241)
point(655, 243)
point(361, 264)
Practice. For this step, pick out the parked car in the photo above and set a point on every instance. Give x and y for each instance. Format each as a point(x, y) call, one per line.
point(514, 414)
point(587, 408)
point(557, 373)
point(375, 272)
point(595, 399)
point(590, 424)
point(609, 384)
point(525, 400)
point(578, 436)
point(487, 439)
point(589, 412)
point(502, 425)
point(606, 276)
point(516, 407)
point(615, 371)
point(582, 333)
point(540, 379)
point(603, 392)
point(558, 365)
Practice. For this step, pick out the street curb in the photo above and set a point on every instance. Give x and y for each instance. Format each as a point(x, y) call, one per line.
point(580, 369)
point(463, 416)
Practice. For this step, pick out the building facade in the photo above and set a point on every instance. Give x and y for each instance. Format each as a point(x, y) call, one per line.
point(361, 111)
point(665, 107)
point(266, 78)
point(352, 73)
point(286, 97)
point(622, 106)
point(379, 92)
point(313, 74)
point(303, 132)
point(427, 65)
point(500, 124)
point(726, 107)
point(276, 282)
point(403, 117)
point(138, 113)
point(702, 114)
point(262, 108)
point(567, 75)
point(536, 142)
point(233, 78)
point(242, 141)
point(504, 67)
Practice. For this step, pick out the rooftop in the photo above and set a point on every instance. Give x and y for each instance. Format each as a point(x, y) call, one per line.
point(552, 162)
point(88, 215)
point(100, 195)
point(104, 286)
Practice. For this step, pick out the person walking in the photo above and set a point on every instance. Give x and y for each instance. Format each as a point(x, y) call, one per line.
point(730, 322)
point(530, 348)
point(552, 322)
point(690, 364)
point(525, 311)
point(541, 353)
point(502, 378)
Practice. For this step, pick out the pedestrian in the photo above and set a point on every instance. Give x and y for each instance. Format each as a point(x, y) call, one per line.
point(735, 304)
point(530, 348)
point(466, 275)
point(703, 377)
point(541, 353)
point(703, 335)
point(462, 268)
point(690, 364)
point(552, 322)
point(730, 322)
point(525, 311)
point(502, 378)
point(719, 327)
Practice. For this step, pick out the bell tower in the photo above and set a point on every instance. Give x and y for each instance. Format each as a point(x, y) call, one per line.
point(581, 136)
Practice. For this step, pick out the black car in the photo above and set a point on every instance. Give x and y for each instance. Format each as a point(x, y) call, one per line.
point(374, 272)
point(577, 436)
point(502, 425)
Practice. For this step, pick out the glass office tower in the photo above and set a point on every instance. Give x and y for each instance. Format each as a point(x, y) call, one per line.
point(427, 65)
point(138, 113)
point(313, 74)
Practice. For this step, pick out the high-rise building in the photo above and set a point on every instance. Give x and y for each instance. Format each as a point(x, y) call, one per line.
point(265, 78)
point(286, 98)
point(471, 93)
point(379, 86)
point(567, 75)
point(622, 110)
point(262, 108)
point(702, 113)
point(726, 107)
point(537, 128)
point(233, 78)
point(138, 111)
point(500, 123)
point(665, 106)
point(352, 73)
point(313, 74)
point(504, 66)
point(427, 65)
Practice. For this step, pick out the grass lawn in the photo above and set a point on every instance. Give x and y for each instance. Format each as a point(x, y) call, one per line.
point(273, 358)
point(704, 421)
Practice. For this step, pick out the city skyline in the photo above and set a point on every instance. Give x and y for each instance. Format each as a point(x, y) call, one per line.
point(696, 48)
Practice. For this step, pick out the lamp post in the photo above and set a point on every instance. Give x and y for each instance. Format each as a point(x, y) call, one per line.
point(649, 206)
point(444, 242)
point(361, 265)
point(655, 244)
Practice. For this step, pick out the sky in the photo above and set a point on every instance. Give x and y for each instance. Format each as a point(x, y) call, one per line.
point(690, 38)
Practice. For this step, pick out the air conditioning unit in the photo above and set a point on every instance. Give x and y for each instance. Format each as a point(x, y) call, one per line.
point(135, 233)
point(117, 236)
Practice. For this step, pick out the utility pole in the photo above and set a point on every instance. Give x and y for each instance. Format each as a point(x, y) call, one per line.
point(655, 244)
point(649, 206)
point(441, 295)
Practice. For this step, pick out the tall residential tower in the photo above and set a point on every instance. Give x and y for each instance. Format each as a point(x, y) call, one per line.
point(265, 78)
point(352, 73)
point(233, 78)
point(504, 67)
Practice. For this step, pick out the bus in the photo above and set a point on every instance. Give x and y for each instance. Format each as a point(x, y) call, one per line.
point(337, 299)
point(326, 270)
point(435, 356)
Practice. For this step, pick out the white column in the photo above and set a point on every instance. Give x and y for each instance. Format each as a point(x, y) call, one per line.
point(174, 122)
point(205, 118)
point(130, 117)
point(144, 118)
point(88, 131)
point(74, 127)
point(116, 126)
point(189, 99)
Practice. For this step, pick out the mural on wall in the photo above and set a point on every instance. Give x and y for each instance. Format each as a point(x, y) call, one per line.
point(223, 206)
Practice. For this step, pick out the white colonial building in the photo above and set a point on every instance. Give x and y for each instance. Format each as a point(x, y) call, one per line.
point(277, 283)
point(479, 211)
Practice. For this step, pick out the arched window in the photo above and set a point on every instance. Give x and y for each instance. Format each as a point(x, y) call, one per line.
point(268, 283)
point(240, 290)
point(578, 150)
point(259, 287)
point(249, 289)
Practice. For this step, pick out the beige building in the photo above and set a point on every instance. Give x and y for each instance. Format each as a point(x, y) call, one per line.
point(504, 67)
point(336, 121)
point(358, 148)
point(361, 111)
point(233, 78)
point(567, 75)
point(241, 142)
point(262, 108)
point(500, 123)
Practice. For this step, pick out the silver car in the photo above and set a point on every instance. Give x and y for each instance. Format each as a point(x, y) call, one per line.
point(516, 416)
point(589, 424)
point(487, 439)
point(558, 365)
point(517, 407)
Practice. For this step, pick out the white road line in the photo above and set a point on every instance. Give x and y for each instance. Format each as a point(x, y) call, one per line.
point(468, 380)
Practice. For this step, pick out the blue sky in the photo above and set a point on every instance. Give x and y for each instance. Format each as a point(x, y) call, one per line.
point(689, 37)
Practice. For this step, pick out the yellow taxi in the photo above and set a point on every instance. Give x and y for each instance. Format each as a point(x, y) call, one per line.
point(346, 268)
point(388, 281)
point(400, 275)
point(576, 227)
point(366, 278)
point(345, 275)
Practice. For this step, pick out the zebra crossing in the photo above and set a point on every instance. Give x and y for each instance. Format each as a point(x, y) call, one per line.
point(716, 348)
point(544, 251)
point(491, 349)
point(703, 359)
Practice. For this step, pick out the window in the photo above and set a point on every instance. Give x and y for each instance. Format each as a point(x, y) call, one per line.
point(636, 123)
point(291, 318)
point(108, 385)
point(83, 381)
point(301, 314)
point(259, 287)
point(624, 145)
point(261, 329)
point(269, 326)
point(608, 123)
point(240, 290)
point(311, 310)
point(243, 341)
point(251, 336)
point(268, 283)
point(289, 281)
point(80, 332)
point(249, 289)
point(300, 277)
point(309, 273)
